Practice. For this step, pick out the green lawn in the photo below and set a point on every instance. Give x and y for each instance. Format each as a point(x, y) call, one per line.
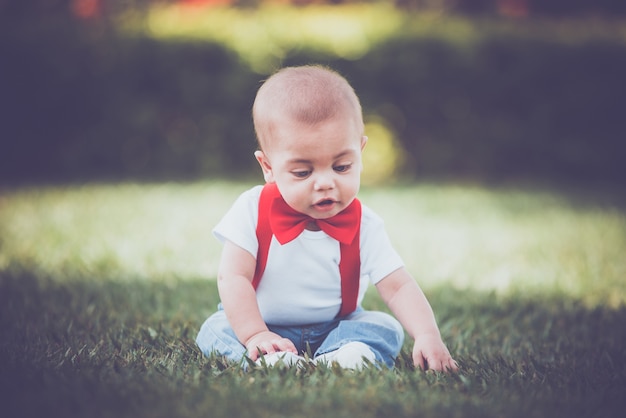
point(103, 288)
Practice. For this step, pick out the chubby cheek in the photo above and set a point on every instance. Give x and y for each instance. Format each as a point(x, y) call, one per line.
point(352, 185)
point(298, 201)
point(291, 192)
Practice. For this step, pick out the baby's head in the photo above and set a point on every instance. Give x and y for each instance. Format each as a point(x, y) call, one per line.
point(309, 126)
point(306, 95)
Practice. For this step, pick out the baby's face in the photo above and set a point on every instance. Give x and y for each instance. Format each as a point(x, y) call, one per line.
point(316, 168)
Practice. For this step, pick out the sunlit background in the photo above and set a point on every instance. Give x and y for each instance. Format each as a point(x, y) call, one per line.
point(458, 237)
point(496, 127)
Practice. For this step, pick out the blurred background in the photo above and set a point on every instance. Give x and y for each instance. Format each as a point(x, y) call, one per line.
point(486, 90)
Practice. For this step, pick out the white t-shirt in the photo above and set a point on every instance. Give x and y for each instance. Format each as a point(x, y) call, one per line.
point(301, 283)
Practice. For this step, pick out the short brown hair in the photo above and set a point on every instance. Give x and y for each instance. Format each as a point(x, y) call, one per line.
point(308, 94)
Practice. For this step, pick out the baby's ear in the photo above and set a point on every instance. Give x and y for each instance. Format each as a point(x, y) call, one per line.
point(265, 166)
point(363, 142)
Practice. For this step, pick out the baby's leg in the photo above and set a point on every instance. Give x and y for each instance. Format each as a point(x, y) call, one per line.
point(378, 331)
point(216, 336)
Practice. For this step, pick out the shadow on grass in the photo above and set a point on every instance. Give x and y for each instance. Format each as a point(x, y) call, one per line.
point(101, 347)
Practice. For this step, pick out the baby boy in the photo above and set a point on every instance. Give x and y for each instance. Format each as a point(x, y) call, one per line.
point(300, 251)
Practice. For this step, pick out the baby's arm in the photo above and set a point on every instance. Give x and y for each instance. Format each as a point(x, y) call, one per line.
point(234, 282)
point(409, 304)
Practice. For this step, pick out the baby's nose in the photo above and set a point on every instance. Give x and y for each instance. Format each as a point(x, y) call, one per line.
point(324, 182)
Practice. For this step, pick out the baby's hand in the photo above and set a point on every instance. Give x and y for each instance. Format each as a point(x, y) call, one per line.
point(430, 353)
point(267, 342)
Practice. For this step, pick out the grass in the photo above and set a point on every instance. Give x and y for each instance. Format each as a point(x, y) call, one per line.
point(103, 288)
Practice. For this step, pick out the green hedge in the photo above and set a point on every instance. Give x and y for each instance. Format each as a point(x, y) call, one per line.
point(503, 107)
point(112, 107)
point(81, 103)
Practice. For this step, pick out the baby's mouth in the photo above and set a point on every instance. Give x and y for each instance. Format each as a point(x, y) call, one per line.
point(325, 202)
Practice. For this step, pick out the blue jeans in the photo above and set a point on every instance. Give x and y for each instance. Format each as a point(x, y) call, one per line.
point(381, 332)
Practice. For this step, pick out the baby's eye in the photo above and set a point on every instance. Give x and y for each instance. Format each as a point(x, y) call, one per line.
point(342, 168)
point(301, 174)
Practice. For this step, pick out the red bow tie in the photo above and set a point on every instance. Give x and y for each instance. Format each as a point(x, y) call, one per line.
point(287, 223)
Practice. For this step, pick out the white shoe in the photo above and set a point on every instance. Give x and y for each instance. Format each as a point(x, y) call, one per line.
point(354, 355)
point(282, 358)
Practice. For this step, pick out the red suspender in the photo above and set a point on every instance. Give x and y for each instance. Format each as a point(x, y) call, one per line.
point(350, 270)
point(263, 235)
point(349, 266)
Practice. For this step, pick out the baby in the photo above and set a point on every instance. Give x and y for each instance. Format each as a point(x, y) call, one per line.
point(300, 251)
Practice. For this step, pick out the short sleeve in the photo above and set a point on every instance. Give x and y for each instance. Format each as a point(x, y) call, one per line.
point(239, 224)
point(378, 257)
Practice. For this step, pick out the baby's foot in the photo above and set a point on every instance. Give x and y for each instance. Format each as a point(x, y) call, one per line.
point(281, 358)
point(354, 355)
